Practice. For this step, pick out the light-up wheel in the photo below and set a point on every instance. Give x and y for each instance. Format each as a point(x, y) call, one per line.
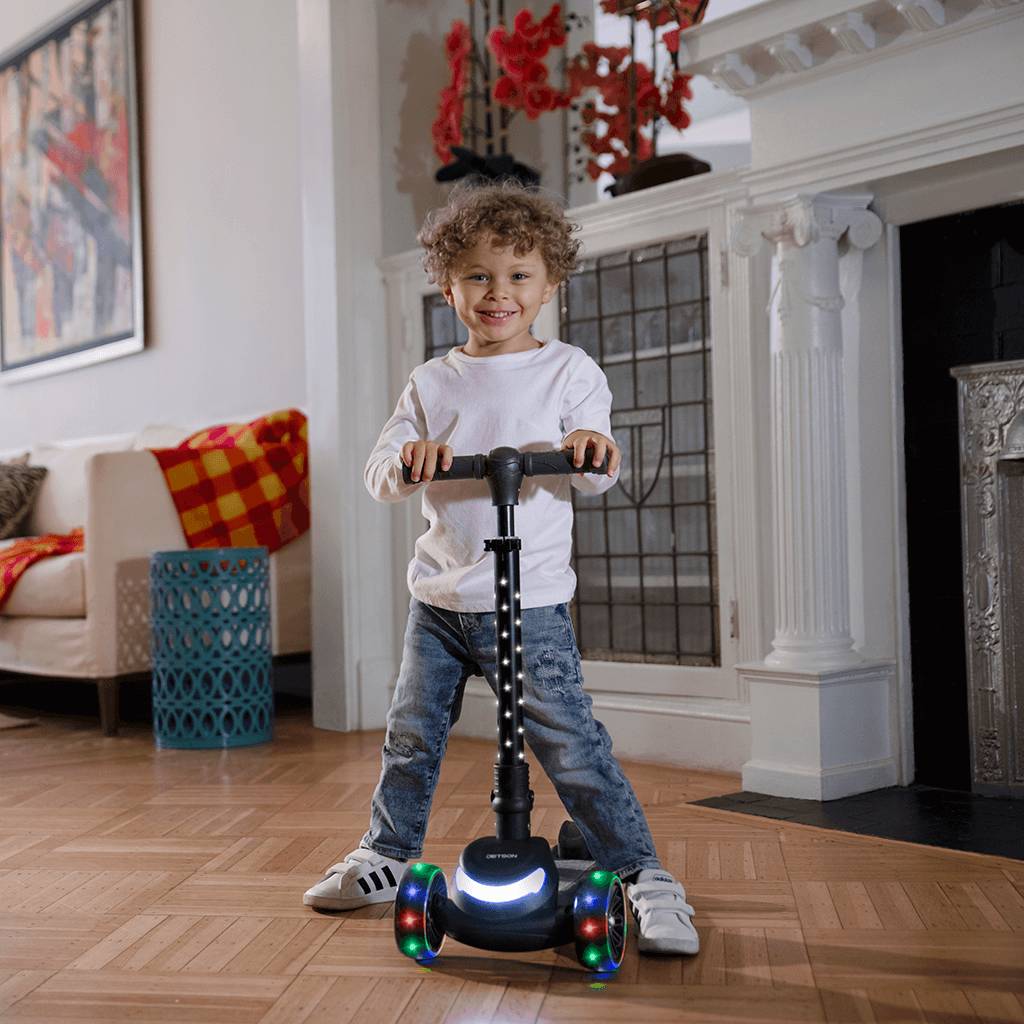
point(419, 911)
point(599, 919)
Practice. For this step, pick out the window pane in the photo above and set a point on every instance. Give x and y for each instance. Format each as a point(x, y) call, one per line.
point(686, 326)
point(590, 533)
point(592, 580)
point(615, 297)
point(696, 634)
point(689, 481)
point(625, 579)
point(691, 528)
point(622, 539)
point(595, 633)
point(650, 330)
point(444, 330)
point(652, 383)
point(582, 293)
point(627, 626)
point(688, 377)
point(618, 335)
point(656, 529)
point(688, 428)
point(649, 284)
point(660, 633)
point(659, 581)
point(584, 335)
point(620, 380)
point(684, 277)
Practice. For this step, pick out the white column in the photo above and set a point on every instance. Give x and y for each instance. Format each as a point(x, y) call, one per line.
point(353, 625)
point(812, 578)
point(819, 713)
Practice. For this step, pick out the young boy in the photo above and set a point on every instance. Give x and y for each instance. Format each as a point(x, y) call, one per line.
point(499, 252)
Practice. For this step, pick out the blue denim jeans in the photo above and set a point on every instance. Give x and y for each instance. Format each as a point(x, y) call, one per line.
point(442, 650)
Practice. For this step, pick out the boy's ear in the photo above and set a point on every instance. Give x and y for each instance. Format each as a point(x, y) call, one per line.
point(449, 296)
point(550, 290)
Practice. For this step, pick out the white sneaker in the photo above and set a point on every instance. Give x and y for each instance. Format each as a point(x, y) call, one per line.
point(362, 878)
point(662, 914)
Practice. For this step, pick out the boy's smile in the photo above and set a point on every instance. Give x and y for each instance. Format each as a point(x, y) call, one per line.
point(498, 295)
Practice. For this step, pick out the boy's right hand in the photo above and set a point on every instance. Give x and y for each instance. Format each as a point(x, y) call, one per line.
point(422, 458)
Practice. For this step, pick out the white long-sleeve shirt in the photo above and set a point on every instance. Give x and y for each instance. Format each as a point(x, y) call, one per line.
point(528, 400)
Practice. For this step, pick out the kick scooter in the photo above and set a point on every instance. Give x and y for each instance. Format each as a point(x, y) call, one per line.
point(508, 892)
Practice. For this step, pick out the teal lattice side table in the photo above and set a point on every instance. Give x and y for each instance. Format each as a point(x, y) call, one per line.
point(212, 670)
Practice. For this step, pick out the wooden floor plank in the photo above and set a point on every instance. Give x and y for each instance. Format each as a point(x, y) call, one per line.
point(165, 886)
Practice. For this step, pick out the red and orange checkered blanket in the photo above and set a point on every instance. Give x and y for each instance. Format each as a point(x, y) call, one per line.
point(242, 484)
point(15, 559)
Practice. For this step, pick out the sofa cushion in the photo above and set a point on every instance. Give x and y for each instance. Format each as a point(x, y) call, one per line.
point(159, 435)
point(52, 588)
point(19, 488)
point(61, 505)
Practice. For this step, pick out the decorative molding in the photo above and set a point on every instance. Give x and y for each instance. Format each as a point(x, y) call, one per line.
point(733, 74)
point(790, 54)
point(805, 219)
point(743, 58)
point(922, 15)
point(852, 32)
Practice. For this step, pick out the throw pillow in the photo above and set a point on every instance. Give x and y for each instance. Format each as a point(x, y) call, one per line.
point(19, 487)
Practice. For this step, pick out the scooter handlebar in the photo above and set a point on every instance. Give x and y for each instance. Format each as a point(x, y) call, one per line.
point(475, 467)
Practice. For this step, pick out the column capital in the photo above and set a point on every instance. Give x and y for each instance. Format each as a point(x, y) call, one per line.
point(803, 219)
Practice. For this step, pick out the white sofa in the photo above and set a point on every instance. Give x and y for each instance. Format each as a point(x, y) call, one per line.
point(86, 615)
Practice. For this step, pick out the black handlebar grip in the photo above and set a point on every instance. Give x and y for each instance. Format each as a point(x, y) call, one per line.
point(560, 462)
point(464, 467)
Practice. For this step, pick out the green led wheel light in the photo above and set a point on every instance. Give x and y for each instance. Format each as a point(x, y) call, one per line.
point(419, 911)
point(599, 921)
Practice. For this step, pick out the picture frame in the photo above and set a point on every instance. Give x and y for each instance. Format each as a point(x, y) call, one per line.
point(71, 267)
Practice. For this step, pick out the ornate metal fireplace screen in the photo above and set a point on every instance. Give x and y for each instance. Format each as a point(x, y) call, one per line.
point(991, 401)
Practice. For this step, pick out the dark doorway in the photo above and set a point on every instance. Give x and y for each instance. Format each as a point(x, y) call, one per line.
point(963, 303)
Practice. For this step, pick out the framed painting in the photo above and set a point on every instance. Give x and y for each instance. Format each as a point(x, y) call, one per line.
point(71, 243)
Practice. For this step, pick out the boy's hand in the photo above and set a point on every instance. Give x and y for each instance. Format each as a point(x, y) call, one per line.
point(422, 458)
point(581, 440)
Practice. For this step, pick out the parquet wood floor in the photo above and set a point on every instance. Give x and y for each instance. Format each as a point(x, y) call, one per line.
point(165, 886)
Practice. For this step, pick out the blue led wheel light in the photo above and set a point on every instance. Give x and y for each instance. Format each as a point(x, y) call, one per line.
point(599, 920)
point(419, 911)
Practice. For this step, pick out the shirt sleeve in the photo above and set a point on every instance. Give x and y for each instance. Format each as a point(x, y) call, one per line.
point(383, 474)
point(588, 406)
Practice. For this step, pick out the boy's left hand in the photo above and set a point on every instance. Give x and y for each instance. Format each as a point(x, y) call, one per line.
point(581, 440)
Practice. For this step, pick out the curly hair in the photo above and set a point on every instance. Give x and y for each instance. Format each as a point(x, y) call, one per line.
point(512, 214)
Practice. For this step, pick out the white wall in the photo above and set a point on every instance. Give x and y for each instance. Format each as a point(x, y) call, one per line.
point(218, 85)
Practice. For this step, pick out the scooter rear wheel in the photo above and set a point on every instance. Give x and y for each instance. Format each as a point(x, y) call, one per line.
point(419, 911)
point(599, 920)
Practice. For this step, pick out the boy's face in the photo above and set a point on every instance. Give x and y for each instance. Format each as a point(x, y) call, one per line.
point(498, 295)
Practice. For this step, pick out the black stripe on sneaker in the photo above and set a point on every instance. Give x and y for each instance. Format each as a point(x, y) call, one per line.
point(389, 876)
point(364, 886)
point(375, 878)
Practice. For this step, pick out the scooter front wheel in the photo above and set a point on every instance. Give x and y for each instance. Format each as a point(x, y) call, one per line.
point(419, 911)
point(599, 920)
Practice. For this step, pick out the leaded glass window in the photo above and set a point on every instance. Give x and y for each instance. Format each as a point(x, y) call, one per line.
point(645, 551)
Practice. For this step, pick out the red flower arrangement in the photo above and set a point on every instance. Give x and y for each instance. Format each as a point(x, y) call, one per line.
point(520, 55)
point(447, 128)
point(621, 82)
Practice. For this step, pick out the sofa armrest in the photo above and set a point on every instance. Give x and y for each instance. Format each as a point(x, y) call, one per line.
point(130, 514)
